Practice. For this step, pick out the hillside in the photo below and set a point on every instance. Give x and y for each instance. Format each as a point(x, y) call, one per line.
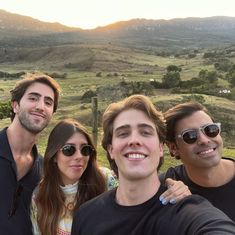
point(10, 22)
point(22, 31)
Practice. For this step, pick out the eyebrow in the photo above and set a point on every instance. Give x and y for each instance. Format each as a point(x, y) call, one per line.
point(141, 125)
point(145, 125)
point(122, 127)
point(39, 95)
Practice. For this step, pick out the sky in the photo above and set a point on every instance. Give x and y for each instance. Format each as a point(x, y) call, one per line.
point(88, 14)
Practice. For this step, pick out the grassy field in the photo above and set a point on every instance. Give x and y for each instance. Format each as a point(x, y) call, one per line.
point(71, 107)
point(129, 65)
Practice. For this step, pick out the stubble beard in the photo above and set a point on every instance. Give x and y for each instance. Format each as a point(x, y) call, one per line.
point(29, 125)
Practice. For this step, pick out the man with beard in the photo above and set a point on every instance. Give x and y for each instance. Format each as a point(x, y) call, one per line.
point(194, 138)
point(33, 100)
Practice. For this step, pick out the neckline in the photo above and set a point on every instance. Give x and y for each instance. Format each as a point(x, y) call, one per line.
point(70, 188)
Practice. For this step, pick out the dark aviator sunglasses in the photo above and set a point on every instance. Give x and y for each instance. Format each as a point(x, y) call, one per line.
point(68, 150)
point(190, 136)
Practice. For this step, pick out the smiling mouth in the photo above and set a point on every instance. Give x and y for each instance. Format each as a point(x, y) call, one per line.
point(38, 115)
point(135, 156)
point(206, 151)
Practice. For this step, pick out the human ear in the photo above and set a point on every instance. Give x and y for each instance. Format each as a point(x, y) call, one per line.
point(15, 106)
point(110, 151)
point(173, 149)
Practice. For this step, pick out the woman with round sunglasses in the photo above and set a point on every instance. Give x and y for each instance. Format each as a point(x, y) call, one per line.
point(194, 138)
point(71, 177)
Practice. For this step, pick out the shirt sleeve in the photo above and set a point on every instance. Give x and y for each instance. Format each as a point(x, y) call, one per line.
point(197, 216)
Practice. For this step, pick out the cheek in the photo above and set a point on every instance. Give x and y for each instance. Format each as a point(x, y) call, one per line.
point(62, 162)
point(152, 145)
point(119, 147)
point(219, 140)
point(50, 112)
point(185, 150)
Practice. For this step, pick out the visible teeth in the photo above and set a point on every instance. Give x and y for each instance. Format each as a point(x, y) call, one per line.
point(207, 151)
point(136, 156)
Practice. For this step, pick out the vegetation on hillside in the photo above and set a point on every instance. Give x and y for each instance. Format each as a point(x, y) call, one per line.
point(112, 72)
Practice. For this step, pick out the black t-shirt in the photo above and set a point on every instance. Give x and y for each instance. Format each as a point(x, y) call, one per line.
point(221, 197)
point(192, 215)
point(19, 223)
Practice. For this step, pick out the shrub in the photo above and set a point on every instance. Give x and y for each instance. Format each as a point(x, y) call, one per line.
point(5, 109)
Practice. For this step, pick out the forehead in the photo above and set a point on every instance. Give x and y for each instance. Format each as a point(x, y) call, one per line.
point(77, 138)
point(40, 88)
point(195, 120)
point(132, 117)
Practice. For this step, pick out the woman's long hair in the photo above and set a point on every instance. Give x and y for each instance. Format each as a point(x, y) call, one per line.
point(50, 199)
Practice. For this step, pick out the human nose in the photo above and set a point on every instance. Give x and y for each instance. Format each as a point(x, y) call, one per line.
point(78, 154)
point(40, 104)
point(135, 139)
point(202, 137)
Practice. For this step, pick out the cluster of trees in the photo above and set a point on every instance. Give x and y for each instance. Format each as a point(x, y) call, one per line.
point(226, 66)
point(11, 75)
point(204, 82)
point(172, 78)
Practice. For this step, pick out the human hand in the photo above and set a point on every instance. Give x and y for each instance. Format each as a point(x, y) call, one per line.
point(176, 191)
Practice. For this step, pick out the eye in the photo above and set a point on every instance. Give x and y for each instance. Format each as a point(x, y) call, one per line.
point(147, 132)
point(49, 103)
point(33, 98)
point(122, 134)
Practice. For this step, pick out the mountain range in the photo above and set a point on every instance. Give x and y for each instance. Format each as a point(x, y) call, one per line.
point(22, 31)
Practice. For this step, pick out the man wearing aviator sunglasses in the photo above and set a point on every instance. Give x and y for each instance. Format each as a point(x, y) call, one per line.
point(194, 137)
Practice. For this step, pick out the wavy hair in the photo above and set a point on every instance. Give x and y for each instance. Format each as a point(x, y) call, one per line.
point(50, 199)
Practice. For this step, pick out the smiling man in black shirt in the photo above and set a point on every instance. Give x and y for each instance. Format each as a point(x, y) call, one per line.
point(134, 132)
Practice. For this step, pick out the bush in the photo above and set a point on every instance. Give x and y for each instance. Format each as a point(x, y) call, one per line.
point(5, 109)
point(86, 97)
point(197, 98)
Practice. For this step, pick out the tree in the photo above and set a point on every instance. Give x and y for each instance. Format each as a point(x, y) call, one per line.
point(208, 76)
point(171, 79)
point(231, 77)
point(202, 73)
point(173, 68)
point(225, 65)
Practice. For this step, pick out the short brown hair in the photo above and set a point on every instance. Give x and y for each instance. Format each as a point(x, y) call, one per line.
point(22, 85)
point(139, 102)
